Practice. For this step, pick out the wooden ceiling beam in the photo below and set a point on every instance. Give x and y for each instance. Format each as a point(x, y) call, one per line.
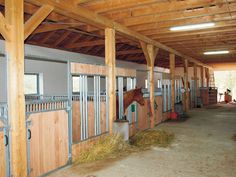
point(50, 27)
point(86, 16)
point(36, 19)
point(127, 52)
point(166, 31)
point(4, 28)
point(169, 6)
point(180, 15)
point(107, 6)
point(62, 38)
point(164, 13)
point(193, 33)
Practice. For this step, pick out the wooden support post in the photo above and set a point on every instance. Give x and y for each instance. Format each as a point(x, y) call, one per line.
point(202, 76)
point(195, 83)
point(150, 53)
point(110, 54)
point(14, 15)
point(172, 77)
point(186, 97)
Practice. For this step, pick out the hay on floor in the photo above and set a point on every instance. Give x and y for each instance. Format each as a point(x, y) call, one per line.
point(151, 137)
point(106, 147)
point(114, 146)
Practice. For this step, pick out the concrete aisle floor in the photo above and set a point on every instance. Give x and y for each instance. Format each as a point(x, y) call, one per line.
point(203, 148)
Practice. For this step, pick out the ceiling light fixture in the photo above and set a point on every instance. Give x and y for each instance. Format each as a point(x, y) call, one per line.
point(192, 27)
point(216, 52)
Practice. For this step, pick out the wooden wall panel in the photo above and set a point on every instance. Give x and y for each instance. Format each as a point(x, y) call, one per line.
point(143, 116)
point(91, 120)
point(103, 117)
point(49, 141)
point(80, 68)
point(76, 130)
point(158, 111)
point(2, 155)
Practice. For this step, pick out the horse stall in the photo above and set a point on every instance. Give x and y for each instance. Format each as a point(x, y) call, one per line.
point(90, 102)
point(166, 95)
point(47, 134)
point(4, 142)
point(144, 112)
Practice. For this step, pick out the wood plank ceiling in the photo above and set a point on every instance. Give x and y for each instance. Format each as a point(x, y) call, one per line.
point(152, 18)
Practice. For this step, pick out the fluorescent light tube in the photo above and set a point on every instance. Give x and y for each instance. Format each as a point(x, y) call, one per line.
point(216, 52)
point(192, 27)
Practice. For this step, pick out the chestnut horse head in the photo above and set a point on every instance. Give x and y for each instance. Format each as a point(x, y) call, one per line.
point(129, 97)
point(138, 96)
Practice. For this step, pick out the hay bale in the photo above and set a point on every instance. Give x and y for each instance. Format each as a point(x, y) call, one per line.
point(109, 146)
point(151, 137)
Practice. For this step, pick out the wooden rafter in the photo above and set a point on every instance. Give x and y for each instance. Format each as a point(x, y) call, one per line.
point(92, 18)
point(4, 27)
point(36, 19)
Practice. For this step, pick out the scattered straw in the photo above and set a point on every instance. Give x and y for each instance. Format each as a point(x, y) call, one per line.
point(148, 138)
point(234, 137)
point(107, 146)
point(114, 146)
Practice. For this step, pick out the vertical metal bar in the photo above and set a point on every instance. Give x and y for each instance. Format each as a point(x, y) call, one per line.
point(169, 94)
point(120, 94)
point(165, 95)
point(28, 149)
point(81, 107)
point(69, 110)
point(99, 104)
point(95, 103)
point(136, 104)
point(129, 87)
point(86, 105)
point(176, 94)
point(107, 106)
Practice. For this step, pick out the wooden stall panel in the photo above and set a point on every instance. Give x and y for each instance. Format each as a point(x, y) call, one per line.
point(76, 128)
point(91, 120)
point(143, 116)
point(49, 141)
point(158, 110)
point(2, 155)
point(103, 117)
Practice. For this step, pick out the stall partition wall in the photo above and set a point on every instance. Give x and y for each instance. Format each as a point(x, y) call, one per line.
point(125, 84)
point(166, 95)
point(90, 104)
point(47, 135)
point(194, 93)
point(4, 142)
point(178, 87)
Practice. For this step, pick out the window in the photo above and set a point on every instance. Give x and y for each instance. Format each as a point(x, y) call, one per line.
point(31, 82)
point(75, 83)
point(159, 85)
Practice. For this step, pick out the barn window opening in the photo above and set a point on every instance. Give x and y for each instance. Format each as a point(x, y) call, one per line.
point(31, 81)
